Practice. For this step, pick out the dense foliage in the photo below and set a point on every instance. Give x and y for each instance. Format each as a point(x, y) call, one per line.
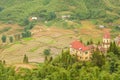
point(19, 11)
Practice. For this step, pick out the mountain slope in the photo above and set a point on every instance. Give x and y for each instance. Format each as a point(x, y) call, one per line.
point(15, 10)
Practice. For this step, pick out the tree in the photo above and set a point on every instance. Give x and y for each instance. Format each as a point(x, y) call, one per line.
point(112, 66)
point(3, 38)
point(29, 26)
point(91, 41)
point(25, 59)
point(51, 16)
point(98, 59)
point(88, 42)
point(25, 22)
point(23, 35)
point(26, 34)
point(51, 58)
point(113, 48)
point(11, 39)
point(46, 52)
point(17, 36)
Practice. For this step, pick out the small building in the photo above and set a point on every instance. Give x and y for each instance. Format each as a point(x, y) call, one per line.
point(117, 40)
point(33, 18)
point(64, 17)
point(106, 40)
point(105, 43)
point(82, 52)
point(101, 26)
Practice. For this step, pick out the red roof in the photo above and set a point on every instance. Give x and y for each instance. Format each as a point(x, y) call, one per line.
point(107, 35)
point(79, 46)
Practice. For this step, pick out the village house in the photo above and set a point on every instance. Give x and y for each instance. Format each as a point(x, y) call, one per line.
point(101, 26)
point(64, 17)
point(84, 53)
point(33, 18)
point(117, 40)
point(104, 46)
point(106, 40)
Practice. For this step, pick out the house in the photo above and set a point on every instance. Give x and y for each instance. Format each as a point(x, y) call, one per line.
point(33, 18)
point(82, 52)
point(101, 26)
point(117, 40)
point(106, 40)
point(105, 43)
point(65, 17)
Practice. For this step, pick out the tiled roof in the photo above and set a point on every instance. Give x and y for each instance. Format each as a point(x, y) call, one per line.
point(107, 35)
point(79, 46)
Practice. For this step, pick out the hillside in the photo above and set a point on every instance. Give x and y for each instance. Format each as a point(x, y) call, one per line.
point(16, 11)
point(51, 38)
point(59, 39)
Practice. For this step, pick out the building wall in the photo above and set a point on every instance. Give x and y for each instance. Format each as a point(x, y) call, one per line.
point(106, 43)
point(106, 40)
point(82, 56)
point(106, 46)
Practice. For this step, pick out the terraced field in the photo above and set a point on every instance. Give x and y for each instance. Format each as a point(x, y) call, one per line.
point(51, 38)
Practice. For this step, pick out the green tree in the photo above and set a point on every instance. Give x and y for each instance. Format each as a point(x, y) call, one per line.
point(91, 41)
point(25, 22)
point(11, 39)
point(112, 67)
point(88, 43)
point(98, 59)
point(51, 16)
point(25, 59)
point(113, 48)
point(3, 38)
point(28, 34)
point(46, 52)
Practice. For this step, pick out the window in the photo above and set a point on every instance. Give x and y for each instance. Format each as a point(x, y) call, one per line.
point(73, 54)
point(80, 57)
point(86, 52)
point(86, 57)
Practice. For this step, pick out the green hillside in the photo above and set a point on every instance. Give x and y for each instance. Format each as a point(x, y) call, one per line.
point(16, 11)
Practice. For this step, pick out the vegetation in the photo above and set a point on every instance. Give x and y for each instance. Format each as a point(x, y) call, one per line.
point(25, 59)
point(26, 34)
point(46, 10)
point(46, 52)
point(67, 67)
point(102, 66)
point(11, 39)
point(3, 38)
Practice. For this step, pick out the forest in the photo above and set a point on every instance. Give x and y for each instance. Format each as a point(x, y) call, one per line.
point(46, 10)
